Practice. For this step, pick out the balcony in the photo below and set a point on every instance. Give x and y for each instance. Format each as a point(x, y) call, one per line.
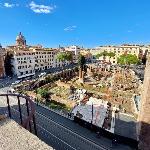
point(21, 110)
point(15, 119)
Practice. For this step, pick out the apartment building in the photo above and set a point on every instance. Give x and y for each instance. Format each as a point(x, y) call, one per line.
point(23, 63)
point(43, 58)
point(2, 58)
point(119, 50)
point(75, 52)
point(27, 60)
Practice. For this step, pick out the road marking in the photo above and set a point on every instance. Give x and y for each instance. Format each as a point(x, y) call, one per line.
point(56, 137)
point(83, 138)
point(45, 107)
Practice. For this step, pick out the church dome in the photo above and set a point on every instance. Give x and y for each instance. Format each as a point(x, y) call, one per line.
point(20, 39)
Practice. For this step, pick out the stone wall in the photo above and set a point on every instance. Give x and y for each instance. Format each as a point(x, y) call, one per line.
point(144, 114)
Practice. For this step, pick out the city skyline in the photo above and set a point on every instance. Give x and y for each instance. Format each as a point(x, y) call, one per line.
point(87, 23)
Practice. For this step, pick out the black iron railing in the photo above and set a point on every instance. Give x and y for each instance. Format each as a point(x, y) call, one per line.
point(26, 111)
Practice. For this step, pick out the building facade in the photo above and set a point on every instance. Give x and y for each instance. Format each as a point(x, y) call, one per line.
point(138, 50)
point(75, 52)
point(2, 60)
point(27, 60)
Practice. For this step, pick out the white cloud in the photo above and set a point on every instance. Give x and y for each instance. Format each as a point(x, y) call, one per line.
point(8, 5)
point(41, 8)
point(70, 28)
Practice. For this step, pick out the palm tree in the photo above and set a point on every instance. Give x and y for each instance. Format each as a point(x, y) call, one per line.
point(81, 61)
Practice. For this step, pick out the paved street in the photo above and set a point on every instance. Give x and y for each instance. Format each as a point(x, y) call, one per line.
point(62, 133)
point(7, 81)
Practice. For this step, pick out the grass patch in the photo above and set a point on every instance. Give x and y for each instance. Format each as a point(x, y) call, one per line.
point(59, 106)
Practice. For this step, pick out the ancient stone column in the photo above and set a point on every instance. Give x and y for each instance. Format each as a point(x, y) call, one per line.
point(143, 127)
point(81, 76)
point(80, 73)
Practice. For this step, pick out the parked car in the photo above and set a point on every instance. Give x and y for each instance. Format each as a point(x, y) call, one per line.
point(16, 82)
point(42, 74)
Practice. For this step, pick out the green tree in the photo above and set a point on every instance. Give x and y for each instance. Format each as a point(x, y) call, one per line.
point(69, 56)
point(61, 56)
point(110, 54)
point(43, 92)
point(64, 56)
point(127, 59)
point(104, 54)
point(81, 61)
point(98, 55)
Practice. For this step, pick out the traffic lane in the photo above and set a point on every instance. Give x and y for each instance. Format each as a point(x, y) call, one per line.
point(73, 139)
point(52, 140)
point(79, 129)
point(73, 126)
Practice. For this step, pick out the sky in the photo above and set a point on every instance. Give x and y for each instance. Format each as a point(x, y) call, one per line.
point(87, 23)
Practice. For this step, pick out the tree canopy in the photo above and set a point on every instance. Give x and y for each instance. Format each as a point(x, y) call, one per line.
point(43, 92)
point(105, 53)
point(81, 61)
point(127, 59)
point(69, 56)
point(62, 56)
point(111, 54)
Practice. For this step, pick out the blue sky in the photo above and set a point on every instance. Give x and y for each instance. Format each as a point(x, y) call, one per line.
point(86, 23)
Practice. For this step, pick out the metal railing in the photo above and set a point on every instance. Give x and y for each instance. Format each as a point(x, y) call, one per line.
point(26, 113)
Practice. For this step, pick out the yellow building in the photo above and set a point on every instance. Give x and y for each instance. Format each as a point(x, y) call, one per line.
point(119, 50)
